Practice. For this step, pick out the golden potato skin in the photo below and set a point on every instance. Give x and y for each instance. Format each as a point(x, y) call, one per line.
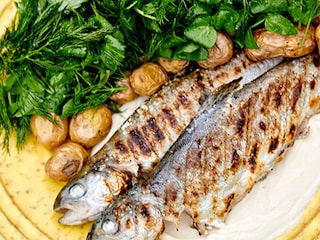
point(125, 95)
point(172, 66)
point(48, 133)
point(275, 45)
point(220, 53)
point(66, 161)
point(90, 126)
point(317, 33)
point(148, 78)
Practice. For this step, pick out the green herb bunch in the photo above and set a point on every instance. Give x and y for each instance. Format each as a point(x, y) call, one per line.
point(65, 56)
point(58, 58)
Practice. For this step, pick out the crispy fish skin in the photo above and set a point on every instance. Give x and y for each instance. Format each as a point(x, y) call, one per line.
point(231, 145)
point(142, 141)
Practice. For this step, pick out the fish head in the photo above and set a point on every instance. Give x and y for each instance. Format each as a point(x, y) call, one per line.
point(84, 197)
point(132, 216)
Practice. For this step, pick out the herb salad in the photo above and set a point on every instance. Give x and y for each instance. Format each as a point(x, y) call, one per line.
point(65, 56)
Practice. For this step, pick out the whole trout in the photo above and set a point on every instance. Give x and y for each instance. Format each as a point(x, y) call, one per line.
point(232, 144)
point(142, 141)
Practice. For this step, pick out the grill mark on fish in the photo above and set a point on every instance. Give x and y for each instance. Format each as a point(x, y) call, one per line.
point(277, 98)
point(241, 121)
point(119, 145)
point(274, 144)
point(199, 79)
point(262, 126)
point(228, 201)
point(237, 70)
point(144, 212)
point(296, 95)
point(253, 158)
point(312, 85)
point(170, 117)
point(138, 139)
point(128, 224)
point(235, 159)
point(152, 123)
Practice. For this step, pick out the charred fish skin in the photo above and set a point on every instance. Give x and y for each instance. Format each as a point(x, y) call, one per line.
point(142, 141)
point(223, 152)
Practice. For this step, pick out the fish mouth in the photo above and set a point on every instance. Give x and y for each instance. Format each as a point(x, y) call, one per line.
point(71, 217)
point(74, 214)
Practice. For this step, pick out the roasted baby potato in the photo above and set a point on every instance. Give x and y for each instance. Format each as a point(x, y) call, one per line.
point(125, 95)
point(66, 161)
point(90, 126)
point(172, 66)
point(48, 133)
point(220, 53)
point(275, 45)
point(148, 78)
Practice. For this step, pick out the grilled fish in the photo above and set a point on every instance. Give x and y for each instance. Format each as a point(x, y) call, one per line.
point(231, 145)
point(142, 141)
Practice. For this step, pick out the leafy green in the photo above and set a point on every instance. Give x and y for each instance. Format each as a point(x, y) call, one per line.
point(226, 18)
point(65, 56)
point(201, 32)
point(55, 48)
point(277, 23)
point(268, 6)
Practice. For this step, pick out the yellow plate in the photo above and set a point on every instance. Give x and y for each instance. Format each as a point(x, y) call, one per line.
point(275, 209)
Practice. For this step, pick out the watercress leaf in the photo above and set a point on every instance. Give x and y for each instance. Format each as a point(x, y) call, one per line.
point(203, 20)
point(191, 52)
point(173, 41)
point(198, 8)
point(165, 52)
point(70, 4)
point(226, 18)
point(268, 6)
point(279, 24)
point(249, 40)
point(205, 35)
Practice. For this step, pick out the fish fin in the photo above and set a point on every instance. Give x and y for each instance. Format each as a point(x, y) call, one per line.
point(209, 99)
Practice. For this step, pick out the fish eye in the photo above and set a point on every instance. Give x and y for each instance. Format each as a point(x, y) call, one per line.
point(109, 227)
point(77, 190)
